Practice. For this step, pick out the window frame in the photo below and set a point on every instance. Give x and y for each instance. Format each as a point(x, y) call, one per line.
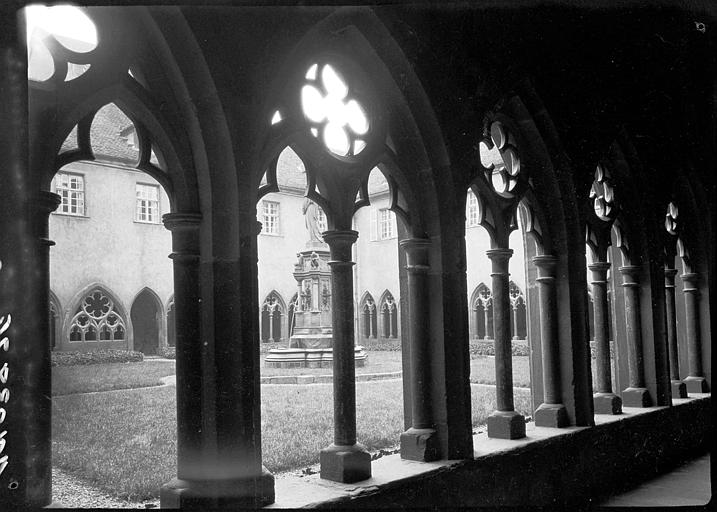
point(276, 223)
point(137, 218)
point(386, 228)
point(81, 194)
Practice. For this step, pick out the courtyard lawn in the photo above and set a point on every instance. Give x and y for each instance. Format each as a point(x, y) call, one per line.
point(380, 361)
point(67, 380)
point(125, 442)
point(483, 370)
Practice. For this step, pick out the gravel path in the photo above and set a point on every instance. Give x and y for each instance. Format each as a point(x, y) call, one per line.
point(72, 492)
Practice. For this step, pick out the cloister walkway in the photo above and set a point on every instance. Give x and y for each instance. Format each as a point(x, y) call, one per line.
point(685, 486)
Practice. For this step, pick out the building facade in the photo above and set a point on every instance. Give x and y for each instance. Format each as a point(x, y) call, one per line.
point(111, 279)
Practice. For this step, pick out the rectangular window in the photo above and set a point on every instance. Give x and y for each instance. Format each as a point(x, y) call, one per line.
point(386, 224)
point(270, 217)
point(71, 189)
point(471, 210)
point(147, 203)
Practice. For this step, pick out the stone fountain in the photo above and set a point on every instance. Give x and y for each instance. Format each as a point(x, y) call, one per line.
point(310, 344)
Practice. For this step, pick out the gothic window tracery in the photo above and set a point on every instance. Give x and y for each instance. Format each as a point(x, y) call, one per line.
point(389, 316)
point(334, 116)
point(602, 194)
point(271, 317)
point(61, 40)
point(671, 219)
point(499, 156)
point(368, 313)
point(97, 318)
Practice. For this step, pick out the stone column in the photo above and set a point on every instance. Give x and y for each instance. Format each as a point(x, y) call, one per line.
point(551, 413)
point(345, 460)
point(486, 314)
point(604, 400)
point(695, 380)
point(679, 390)
point(25, 371)
point(420, 442)
point(514, 308)
point(503, 423)
point(185, 261)
point(210, 472)
point(636, 395)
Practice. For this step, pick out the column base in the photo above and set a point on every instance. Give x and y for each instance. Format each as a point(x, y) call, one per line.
point(250, 492)
point(636, 397)
point(420, 444)
point(696, 385)
point(551, 415)
point(679, 389)
point(346, 464)
point(506, 425)
point(607, 403)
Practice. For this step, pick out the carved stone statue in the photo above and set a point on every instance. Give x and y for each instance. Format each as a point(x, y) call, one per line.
point(311, 218)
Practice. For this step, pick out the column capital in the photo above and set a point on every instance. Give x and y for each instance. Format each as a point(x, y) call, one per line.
point(692, 278)
point(499, 254)
point(48, 202)
point(340, 242)
point(600, 266)
point(546, 267)
point(630, 275)
point(181, 220)
point(670, 273)
point(416, 253)
point(545, 261)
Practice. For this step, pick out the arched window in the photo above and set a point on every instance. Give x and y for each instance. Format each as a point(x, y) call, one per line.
point(271, 315)
point(96, 318)
point(290, 315)
point(389, 316)
point(171, 331)
point(485, 299)
point(368, 317)
point(517, 312)
point(55, 317)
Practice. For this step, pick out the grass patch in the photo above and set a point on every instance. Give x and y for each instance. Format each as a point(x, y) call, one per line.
point(67, 380)
point(125, 442)
point(483, 370)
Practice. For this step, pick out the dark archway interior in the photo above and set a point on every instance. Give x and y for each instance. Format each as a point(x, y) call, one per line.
point(145, 323)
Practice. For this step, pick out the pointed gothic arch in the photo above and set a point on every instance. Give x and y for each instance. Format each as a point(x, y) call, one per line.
point(56, 316)
point(369, 316)
point(147, 315)
point(388, 309)
point(273, 310)
point(97, 315)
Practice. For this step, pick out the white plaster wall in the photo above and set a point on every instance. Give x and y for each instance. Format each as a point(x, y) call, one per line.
point(107, 246)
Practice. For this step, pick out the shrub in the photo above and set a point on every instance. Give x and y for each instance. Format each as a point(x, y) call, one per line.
point(381, 344)
point(167, 352)
point(96, 357)
point(487, 348)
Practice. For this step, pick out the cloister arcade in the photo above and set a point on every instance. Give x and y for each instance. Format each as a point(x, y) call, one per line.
point(602, 159)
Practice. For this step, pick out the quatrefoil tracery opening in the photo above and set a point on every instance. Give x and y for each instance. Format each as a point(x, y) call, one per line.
point(671, 219)
point(603, 195)
point(52, 31)
point(500, 157)
point(333, 115)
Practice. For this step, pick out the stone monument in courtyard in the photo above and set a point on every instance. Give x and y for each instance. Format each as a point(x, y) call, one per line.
point(310, 344)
